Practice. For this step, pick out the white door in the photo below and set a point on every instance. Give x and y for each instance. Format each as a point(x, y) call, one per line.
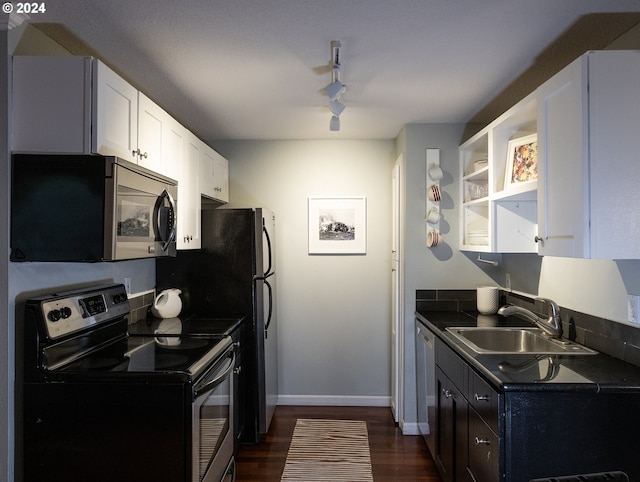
point(396, 298)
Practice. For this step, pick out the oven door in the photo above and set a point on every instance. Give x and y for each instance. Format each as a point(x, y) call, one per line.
point(213, 439)
point(143, 220)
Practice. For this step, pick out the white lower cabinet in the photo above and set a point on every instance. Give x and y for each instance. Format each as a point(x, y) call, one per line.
point(588, 125)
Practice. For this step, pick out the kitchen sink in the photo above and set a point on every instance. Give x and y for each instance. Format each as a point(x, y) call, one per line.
point(516, 340)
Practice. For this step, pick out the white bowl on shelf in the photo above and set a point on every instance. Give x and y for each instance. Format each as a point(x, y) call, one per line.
point(478, 237)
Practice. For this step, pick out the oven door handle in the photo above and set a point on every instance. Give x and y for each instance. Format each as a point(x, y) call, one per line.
point(208, 386)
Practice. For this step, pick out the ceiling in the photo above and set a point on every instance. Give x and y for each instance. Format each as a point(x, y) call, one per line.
point(256, 69)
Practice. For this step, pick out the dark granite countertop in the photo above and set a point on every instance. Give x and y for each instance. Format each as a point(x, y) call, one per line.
point(522, 372)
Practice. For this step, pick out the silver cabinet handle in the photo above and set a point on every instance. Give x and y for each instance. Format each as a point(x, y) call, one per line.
point(482, 441)
point(447, 393)
point(482, 398)
point(139, 153)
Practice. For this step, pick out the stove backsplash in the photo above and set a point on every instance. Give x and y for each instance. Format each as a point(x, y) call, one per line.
point(140, 303)
point(615, 339)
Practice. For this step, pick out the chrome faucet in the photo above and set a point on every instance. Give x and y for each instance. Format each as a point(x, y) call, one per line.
point(551, 325)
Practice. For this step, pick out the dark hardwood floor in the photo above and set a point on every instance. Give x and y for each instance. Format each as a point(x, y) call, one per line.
point(394, 457)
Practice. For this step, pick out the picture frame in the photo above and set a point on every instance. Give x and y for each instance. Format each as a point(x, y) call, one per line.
point(522, 161)
point(337, 225)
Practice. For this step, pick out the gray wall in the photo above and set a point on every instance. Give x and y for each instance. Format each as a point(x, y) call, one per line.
point(443, 267)
point(333, 311)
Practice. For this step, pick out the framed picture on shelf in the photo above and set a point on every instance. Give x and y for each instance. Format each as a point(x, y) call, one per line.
point(522, 161)
point(337, 225)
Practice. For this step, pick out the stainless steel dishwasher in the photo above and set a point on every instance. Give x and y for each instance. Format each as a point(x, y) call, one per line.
point(426, 384)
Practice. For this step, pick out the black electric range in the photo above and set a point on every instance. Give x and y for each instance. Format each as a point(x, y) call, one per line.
point(99, 404)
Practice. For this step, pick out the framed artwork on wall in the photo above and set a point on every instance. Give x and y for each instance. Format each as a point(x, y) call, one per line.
point(522, 161)
point(337, 225)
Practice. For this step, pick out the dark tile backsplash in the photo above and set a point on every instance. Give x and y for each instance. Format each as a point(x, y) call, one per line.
point(615, 339)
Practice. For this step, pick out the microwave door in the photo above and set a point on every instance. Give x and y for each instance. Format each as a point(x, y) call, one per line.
point(144, 212)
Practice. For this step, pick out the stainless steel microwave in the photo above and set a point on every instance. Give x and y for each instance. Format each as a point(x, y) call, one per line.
point(89, 208)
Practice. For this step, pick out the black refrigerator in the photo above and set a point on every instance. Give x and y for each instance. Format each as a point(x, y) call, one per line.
point(234, 274)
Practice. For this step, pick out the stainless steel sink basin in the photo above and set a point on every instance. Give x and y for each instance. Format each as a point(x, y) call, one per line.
point(516, 340)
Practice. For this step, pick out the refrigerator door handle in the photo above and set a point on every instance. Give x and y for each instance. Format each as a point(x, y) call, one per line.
point(266, 326)
point(266, 235)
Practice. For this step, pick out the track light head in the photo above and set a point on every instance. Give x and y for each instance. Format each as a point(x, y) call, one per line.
point(334, 90)
point(336, 107)
point(334, 123)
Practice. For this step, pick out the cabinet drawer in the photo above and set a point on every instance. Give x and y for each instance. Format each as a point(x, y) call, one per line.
point(455, 368)
point(484, 450)
point(484, 399)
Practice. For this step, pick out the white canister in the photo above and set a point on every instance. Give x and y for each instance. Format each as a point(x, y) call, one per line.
point(488, 299)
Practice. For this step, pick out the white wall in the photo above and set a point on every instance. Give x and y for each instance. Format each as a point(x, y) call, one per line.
point(333, 311)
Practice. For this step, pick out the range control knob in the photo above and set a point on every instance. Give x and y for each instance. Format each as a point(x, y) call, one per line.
point(54, 315)
point(119, 298)
point(65, 312)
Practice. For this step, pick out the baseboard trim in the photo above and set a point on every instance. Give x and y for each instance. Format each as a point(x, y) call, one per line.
point(409, 428)
point(334, 400)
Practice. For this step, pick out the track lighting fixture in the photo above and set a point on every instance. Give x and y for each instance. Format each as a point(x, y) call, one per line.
point(335, 88)
point(336, 107)
point(334, 123)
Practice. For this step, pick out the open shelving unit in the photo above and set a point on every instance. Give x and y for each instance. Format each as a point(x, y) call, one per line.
point(495, 218)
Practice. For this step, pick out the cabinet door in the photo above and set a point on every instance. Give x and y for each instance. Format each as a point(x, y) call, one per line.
point(452, 431)
point(189, 196)
point(563, 192)
point(153, 124)
point(445, 438)
point(214, 175)
point(614, 125)
point(51, 104)
point(484, 451)
point(221, 178)
point(114, 114)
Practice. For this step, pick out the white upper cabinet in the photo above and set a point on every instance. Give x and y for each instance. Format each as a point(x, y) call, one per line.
point(498, 215)
point(588, 125)
point(153, 131)
point(77, 105)
point(214, 175)
point(50, 111)
point(189, 196)
point(114, 113)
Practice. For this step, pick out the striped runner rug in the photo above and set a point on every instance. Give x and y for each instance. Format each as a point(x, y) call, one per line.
point(329, 450)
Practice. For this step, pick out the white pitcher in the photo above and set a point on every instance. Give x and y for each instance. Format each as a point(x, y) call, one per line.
point(167, 304)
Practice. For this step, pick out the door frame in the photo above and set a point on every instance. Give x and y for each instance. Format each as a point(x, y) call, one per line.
point(397, 294)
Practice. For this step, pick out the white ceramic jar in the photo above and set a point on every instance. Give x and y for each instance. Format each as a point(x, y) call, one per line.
point(488, 299)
